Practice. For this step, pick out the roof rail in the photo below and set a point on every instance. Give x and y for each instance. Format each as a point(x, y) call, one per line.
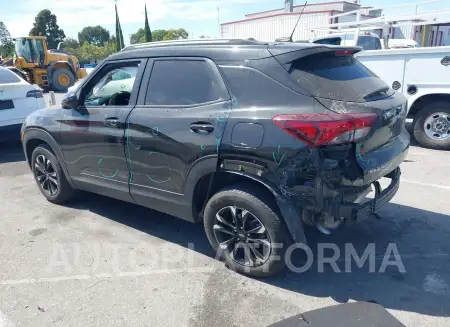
point(190, 42)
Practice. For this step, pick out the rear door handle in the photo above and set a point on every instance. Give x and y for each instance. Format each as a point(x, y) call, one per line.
point(112, 122)
point(201, 127)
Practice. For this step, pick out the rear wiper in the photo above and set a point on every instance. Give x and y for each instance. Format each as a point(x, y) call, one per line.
point(377, 93)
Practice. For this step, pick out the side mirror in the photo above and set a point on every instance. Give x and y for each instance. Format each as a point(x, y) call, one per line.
point(70, 101)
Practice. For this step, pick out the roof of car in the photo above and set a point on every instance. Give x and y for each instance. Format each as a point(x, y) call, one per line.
point(216, 49)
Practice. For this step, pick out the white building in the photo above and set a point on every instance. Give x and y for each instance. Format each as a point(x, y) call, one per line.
point(277, 23)
point(273, 24)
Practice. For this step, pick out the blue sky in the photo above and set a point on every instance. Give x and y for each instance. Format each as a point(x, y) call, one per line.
point(196, 16)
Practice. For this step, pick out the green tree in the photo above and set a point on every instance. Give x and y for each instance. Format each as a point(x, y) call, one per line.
point(96, 35)
point(158, 35)
point(75, 51)
point(176, 34)
point(70, 43)
point(45, 24)
point(92, 52)
point(138, 37)
point(147, 32)
point(6, 44)
point(119, 35)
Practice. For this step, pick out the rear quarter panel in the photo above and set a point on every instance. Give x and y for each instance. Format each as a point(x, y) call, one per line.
point(266, 151)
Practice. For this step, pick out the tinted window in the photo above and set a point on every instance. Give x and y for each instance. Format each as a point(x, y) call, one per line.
point(114, 87)
point(250, 87)
point(7, 77)
point(181, 82)
point(336, 77)
point(369, 43)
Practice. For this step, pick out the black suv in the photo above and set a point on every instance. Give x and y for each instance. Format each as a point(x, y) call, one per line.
point(255, 139)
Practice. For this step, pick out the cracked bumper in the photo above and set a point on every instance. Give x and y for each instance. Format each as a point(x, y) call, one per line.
point(353, 212)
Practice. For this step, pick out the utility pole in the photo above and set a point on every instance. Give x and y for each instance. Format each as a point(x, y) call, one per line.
point(218, 22)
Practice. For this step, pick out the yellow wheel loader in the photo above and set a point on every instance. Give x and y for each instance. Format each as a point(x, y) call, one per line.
point(50, 69)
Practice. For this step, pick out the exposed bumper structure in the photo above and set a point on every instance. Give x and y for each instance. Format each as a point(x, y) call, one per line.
point(356, 212)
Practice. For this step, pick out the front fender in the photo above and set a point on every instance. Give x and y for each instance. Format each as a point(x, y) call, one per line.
point(33, 134)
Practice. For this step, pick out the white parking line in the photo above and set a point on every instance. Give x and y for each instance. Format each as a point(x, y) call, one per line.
point(204, 270)
point(4, 321)
point(444, 187)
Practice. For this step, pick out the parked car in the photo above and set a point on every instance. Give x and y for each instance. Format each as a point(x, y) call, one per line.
point(18, 99)
point(254, 139)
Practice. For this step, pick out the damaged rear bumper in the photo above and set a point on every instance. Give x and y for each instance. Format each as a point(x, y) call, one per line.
point(353, 212)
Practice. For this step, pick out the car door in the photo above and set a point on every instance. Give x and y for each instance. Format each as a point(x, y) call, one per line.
point(174, 132)
point(92, 136)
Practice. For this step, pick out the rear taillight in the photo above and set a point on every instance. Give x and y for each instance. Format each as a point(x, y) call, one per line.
point(34, 94)
point(323, 129)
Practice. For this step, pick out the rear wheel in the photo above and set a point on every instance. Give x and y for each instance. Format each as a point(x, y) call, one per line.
point(432, 126)
point(49, 176)
point(62, 79)
point(246, 231)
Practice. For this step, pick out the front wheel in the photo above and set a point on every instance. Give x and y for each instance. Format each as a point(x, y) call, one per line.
point(246, 231)
point(432, 126)
point(49, 175)
point(62, 79)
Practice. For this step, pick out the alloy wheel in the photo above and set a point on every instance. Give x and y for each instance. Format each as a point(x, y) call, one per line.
point(437, 126)
point(242, 235)
point(46, 175)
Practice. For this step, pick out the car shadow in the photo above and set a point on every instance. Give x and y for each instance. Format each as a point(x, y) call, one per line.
point(11, 152)
point(421, 238)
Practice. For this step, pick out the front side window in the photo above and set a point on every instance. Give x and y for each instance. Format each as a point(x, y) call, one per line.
point(39, 50)
point(181, 82)
point(114, 87)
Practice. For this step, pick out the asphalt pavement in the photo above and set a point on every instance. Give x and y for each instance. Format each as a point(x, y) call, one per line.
point(102, 262)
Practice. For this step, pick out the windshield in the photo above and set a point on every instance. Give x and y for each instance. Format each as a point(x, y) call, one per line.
point(23, 49)
point(31, 50)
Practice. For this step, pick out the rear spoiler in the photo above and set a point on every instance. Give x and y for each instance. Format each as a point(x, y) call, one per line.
point(286, 55)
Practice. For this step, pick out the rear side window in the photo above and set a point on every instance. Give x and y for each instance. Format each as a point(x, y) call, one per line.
point(250, 87)
point(338, 77)
point(369, 43)
point(7, 77)
point(181, 82)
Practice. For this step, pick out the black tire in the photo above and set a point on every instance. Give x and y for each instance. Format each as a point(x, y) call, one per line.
point(419, 128)
point(250, 198)
point(56, 85)
point(64, 192)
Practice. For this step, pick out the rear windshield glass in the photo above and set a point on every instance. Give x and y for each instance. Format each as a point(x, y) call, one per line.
point(7, 77)
point(369, 43)
point(337, 77)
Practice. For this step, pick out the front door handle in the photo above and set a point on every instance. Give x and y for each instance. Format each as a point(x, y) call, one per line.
point(201, 127)
point(112, 122)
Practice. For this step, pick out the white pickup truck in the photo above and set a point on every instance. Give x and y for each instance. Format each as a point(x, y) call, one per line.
point(423, 76)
